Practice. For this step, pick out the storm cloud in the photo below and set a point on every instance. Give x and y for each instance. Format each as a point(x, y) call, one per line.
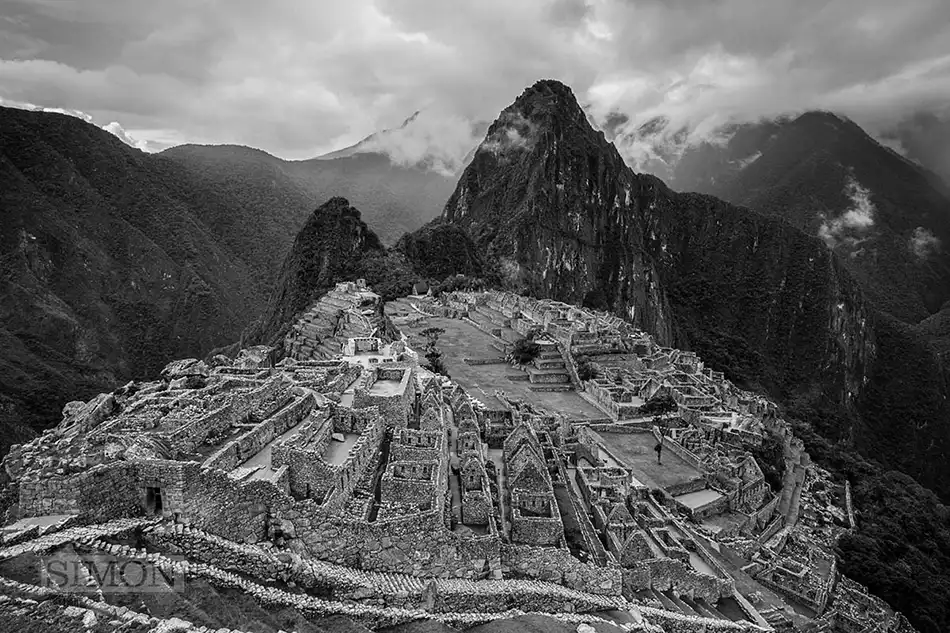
point(301, 78)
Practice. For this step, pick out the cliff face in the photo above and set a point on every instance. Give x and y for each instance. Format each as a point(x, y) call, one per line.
point(885, 216)
point(552, 207)
point(758, 297)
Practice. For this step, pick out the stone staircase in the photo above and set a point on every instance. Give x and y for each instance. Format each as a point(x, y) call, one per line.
point(549, 368)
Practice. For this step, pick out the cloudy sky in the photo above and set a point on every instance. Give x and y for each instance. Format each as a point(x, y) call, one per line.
point(302, 77)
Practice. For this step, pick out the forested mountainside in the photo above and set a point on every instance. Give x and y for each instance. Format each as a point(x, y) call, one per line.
point(116, 260)
point(556, 212)
point(887, 218)
point(334, 245)
point(113, 263)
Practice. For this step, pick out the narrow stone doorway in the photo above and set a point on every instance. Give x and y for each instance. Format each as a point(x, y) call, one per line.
point(153, 500)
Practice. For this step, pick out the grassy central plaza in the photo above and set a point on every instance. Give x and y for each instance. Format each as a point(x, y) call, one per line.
point(463, 340)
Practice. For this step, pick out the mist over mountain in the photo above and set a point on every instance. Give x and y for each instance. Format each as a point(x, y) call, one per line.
point(886, 217)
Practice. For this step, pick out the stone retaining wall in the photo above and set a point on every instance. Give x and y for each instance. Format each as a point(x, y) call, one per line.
point(559, 566)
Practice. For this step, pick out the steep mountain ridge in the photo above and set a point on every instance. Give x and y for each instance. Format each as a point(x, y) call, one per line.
point(885, 216)
point(108, 268)
point(538, 200)
point(553, 207)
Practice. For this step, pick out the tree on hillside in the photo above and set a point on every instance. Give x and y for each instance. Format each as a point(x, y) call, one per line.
point(432, 334)
point(659, 404)
point(585, 369)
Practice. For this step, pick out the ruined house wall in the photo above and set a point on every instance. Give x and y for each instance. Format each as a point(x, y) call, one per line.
point(404, 453)
point(664, 574)
point(417, 545)
point(190, 434)
point(236, 510)
point(245, 446)
point(347, 420)
point(529, 530)
point(105, 492)
point(411, 491)
point(308, 474)
point(394, 409)
point(476, 507)
point(559, 566)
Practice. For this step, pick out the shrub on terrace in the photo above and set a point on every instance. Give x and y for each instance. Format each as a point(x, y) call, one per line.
point(525, 351)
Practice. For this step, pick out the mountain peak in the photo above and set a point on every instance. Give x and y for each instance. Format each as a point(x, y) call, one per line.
point(546, 100)
point(329, 248)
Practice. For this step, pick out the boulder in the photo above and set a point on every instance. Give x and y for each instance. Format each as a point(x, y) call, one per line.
point(91, 413)
point(254, 357)
point(220, 360)
point(338, 437)
point(185, 368)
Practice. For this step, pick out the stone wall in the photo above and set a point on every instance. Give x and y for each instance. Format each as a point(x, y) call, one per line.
point(102, 493)
point(394, 408)
point(476, 507)
point(248, 444)
point(236, 510)
point(418, 544)
point(559, 566)
point(533, 530)
point(308, 474)
point(189, 435)
point(416, 485)
point(663, 574)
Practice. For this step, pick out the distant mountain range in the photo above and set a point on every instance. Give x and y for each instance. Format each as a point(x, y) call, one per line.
point(886, 217)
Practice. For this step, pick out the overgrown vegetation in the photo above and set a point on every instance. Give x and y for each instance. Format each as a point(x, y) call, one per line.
point(901, 547)
point(585, 369)
point(770, 456)
point(433, 355)
point(659, 404)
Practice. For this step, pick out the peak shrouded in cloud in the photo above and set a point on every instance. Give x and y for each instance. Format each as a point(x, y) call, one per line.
point(852, 226)
point(300, 80)
point(431, 138)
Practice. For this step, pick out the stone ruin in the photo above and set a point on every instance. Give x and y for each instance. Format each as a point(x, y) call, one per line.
point(340, 462)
